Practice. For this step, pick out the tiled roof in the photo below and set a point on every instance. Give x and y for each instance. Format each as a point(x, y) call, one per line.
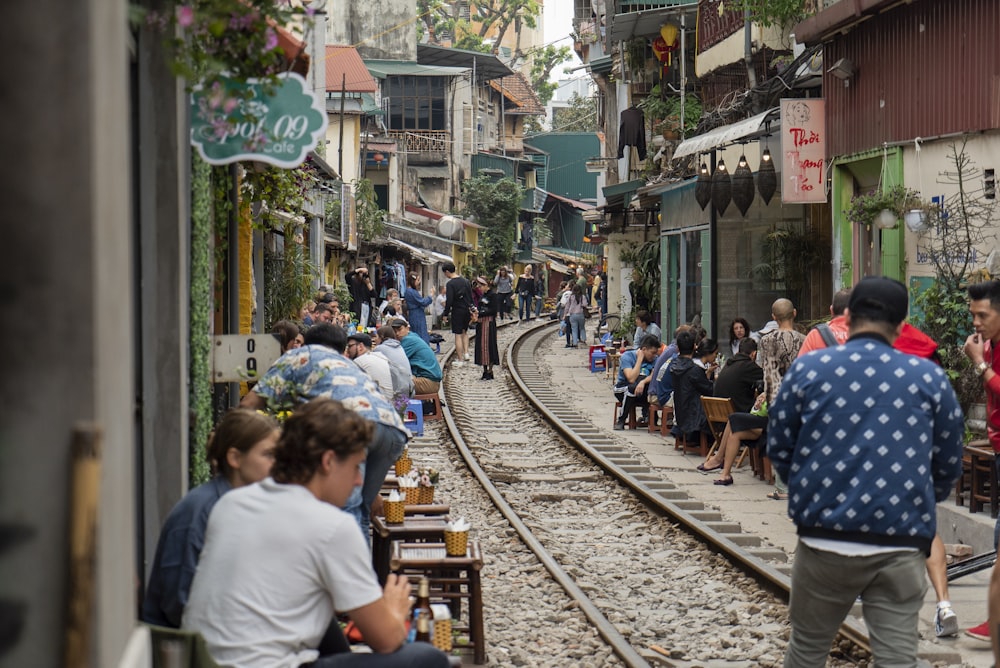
point(345, 60)
point(517, 89)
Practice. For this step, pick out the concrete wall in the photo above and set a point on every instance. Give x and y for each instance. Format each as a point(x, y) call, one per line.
point(67, 314)
point(384, 30)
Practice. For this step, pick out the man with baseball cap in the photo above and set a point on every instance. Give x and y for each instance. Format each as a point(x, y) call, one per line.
point(869, 439)
point(423, 363)
point(359, 349)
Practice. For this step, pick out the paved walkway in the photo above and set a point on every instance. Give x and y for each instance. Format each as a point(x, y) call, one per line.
point(745, 501)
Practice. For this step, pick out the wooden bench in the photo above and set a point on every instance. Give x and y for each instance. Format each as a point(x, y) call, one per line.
point(436, 415)
point(452, 579)
point(982, 477)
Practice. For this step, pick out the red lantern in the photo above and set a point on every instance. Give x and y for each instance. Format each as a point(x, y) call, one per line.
point(378, 158)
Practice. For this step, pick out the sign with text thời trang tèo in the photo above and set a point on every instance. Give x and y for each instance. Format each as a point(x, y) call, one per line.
point(803, 150)
point(242, 120)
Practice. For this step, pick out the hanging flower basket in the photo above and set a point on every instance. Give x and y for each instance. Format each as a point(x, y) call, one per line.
point(883, 208)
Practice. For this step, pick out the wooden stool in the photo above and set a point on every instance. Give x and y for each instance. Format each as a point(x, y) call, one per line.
point(684, 445)
point(436, 415)
point(631, 415)
point(666, 414)
point(982, 479)
point(452, 579)
point(964, 483)
point(613, 358)
point(414, 529)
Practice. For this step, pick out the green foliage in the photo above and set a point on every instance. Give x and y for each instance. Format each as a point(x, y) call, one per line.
point(579, 116)
point(663, 111)
point(496, 205)
point(287, 278)
point(371, 219)
point(645, 262)
point(865, 207)
point(212, 39)
point(280, 189)
point(944, 316)
point(470, 41)
point(791, 255)
point(782, 13)
point(200, 373)
point(543, 61)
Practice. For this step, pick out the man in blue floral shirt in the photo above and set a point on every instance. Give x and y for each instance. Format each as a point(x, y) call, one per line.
point(320, 369)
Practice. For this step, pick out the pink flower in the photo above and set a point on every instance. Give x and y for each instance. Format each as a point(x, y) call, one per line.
point(230, 104)
point(185, 16)
point(270, 39)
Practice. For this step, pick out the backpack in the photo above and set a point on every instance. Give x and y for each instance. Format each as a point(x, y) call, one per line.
point(827, 335)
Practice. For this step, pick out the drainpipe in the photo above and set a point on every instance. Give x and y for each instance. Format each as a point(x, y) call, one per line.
point(748, 49)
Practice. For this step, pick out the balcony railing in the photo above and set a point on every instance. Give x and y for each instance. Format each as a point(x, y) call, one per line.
point(422, 141)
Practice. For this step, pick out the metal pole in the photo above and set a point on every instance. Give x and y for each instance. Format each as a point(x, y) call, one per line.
point(683, 72)
point(713, 281)
point(340, 147)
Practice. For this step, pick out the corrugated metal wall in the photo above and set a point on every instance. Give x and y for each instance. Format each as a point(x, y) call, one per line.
point(921, 70)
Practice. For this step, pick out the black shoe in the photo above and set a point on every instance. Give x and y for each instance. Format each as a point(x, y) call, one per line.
point(619, 426)
point(487, 375)
point(642, 423)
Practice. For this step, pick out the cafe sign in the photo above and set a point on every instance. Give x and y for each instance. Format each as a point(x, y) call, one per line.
point(803, 150)
point(236, 120)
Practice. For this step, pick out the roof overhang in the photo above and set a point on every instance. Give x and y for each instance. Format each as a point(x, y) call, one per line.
point(619, 195)
point(425, 255)
point(427, 235)
point(380, 69)
point(567, 254)
point(837, 18)
point(555, 265)
point(646, 22)
point(486, 65)
point(750, 128)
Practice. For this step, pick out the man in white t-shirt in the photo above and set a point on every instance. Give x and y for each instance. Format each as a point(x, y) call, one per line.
point(281, 558)
point(359, 346)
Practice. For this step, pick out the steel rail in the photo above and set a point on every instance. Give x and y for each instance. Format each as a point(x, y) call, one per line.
point(760, 570)
point(618, 643)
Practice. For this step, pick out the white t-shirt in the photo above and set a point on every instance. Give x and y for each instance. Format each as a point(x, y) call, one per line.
point(377, 368)
point(277, 563)
point(439, 304)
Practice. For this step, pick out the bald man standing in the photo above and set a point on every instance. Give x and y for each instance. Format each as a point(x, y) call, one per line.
point(778, 350)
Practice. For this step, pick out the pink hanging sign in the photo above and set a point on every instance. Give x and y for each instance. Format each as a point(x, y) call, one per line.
point(803, 150)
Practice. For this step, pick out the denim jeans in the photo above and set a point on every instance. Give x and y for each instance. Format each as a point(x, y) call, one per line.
point(539, 300)
point(383, 451)
point(577, 321)
point(523, 306)
point(413, 655)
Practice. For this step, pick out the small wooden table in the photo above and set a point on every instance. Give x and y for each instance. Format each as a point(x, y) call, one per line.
point(448, 576)
point(613, 357)
point(415, 528)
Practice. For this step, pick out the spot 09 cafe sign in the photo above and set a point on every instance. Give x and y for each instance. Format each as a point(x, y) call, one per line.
point(243, 120)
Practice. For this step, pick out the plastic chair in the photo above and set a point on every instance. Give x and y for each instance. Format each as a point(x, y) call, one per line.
point(598, 361)
point(415, 423)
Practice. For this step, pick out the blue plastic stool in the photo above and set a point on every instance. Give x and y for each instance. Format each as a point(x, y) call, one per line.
point(416, 423)
point(598, 361)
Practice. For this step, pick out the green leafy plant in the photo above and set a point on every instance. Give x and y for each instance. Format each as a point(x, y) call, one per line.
point(663, 111)
point(944, 316)
point(791, 256)
point(495, 205)
point(288, 278)
point(200, 370)
point(782, 13)
point(865, 207)
point(371, 219)
point(645, 262)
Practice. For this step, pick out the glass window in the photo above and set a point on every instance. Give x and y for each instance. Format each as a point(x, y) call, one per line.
point(416, 103)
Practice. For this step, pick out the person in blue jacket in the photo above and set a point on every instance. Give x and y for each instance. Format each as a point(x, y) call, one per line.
point(240, 452)
point(415, 305)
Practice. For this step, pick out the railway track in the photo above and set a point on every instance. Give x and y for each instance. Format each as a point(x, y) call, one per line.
point(654, 572)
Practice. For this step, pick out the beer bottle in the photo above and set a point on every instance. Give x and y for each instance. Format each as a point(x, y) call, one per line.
point(423, 626)
point(423, 603)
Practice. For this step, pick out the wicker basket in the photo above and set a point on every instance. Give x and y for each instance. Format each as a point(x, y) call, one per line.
point(426, 494)
point(441, 637)
point(456, 543)
point(412, 495)
point(403, 465)
point(394, 511)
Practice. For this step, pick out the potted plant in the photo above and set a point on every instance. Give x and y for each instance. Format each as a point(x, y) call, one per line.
point(883, 207)
point(664, 113)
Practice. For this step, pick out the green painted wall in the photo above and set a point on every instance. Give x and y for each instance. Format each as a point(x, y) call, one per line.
point(568, 153)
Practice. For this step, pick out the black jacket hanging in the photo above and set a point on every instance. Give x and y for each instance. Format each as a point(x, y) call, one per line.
point(632, 132)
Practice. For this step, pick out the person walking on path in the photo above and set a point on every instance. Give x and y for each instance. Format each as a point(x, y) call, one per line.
point(458, 306)
point(281, 560)
point(525, 293)
point(415, 305)
point(504, 284)
point(980, 348)
point(869, 439)
point(487, 353)
point(574, 313)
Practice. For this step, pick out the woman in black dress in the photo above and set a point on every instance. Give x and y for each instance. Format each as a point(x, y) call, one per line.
point(486, 328)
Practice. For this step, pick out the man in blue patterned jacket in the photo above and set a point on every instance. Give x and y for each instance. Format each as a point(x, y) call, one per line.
point(869, 439)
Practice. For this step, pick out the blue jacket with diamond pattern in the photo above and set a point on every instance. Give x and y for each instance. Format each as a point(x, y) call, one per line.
point(868, 439)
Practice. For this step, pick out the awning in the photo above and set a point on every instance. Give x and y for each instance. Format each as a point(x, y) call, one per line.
point(486, 65)
point(567, 254)
point(554, 265)
point(425, 255)
point(647, 21)
point(619, 195)
point(727, 134)
point(427, 235)
point(380, 69)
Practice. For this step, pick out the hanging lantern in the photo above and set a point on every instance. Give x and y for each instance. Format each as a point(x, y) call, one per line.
point(703, 187)
point(722, 188)
point(767, 179)
point(743, 190)
point(378, 158)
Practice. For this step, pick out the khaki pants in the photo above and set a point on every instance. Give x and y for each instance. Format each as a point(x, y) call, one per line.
point(425, 385)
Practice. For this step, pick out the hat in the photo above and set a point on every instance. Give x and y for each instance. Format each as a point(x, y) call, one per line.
point(768, 327)
point(879, 298)
point(399, 322)
point(482, 281)
point(361, 337)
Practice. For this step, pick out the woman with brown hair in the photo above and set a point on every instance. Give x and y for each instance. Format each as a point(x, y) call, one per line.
point(240, 452)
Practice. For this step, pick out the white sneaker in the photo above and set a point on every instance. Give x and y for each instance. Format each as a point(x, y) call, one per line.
point(458, 363)
point(945, 622)
point(468, 356)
